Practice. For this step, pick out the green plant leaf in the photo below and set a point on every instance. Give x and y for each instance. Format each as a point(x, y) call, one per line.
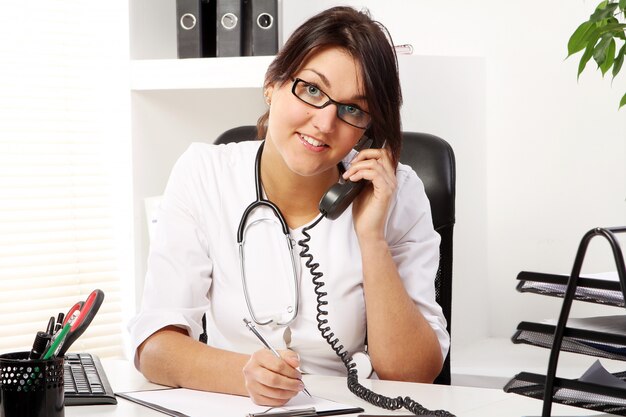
point(622, 4)
point(580, 37)
point(622, 101)
point(600, 52)
point(585, 58)
point(610, 57)
point(603, 13)
point(613, 28)
point(619, 60)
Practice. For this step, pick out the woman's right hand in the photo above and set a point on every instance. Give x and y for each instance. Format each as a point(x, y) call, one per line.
point(272, 381)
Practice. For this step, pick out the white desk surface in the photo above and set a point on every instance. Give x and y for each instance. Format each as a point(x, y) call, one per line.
point(461, 401)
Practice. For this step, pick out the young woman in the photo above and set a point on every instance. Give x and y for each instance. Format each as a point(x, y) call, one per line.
point(333, 82)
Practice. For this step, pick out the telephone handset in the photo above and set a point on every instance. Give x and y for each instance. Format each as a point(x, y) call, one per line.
point(340, 195)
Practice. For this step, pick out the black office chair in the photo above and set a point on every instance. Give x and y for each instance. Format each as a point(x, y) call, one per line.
point(433, 160)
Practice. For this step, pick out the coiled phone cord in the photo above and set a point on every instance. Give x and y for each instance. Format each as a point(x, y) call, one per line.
point(354, 386)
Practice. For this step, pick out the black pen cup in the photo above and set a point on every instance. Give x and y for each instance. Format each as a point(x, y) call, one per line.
point(31, 387)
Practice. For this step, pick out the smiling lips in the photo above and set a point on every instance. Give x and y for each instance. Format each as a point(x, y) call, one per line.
point(314, 144)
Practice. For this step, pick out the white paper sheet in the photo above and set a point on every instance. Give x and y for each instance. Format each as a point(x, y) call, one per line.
point(200, 403)
point(596, 374)
point(615, 324)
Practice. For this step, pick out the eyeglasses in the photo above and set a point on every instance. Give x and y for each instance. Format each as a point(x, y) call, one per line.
point(314, 96)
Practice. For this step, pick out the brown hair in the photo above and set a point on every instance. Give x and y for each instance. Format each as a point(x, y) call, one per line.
point(369, 43)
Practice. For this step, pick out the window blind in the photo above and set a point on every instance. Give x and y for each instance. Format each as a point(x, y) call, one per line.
point(64, 167)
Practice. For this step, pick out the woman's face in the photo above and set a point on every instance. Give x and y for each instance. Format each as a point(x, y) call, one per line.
point(312, 141)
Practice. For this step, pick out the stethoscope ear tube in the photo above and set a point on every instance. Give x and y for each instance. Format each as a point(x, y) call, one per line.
point(261, 202)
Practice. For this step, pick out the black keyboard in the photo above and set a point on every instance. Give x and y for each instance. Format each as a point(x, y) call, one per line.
point(85, 381)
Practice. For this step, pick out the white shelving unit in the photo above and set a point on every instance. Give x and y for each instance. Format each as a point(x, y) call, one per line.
point(173, 106)
point(175, 102)
point(201, 73)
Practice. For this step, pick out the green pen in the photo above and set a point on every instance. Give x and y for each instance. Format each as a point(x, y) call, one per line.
point(59, 337)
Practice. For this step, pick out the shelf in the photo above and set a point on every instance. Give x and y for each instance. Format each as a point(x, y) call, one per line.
point(576, 340)
point(200, 73)
point(598, 288)
point(596, 336)
point(596, 397)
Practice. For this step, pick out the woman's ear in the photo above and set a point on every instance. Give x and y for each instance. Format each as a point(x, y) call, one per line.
point(267, 94)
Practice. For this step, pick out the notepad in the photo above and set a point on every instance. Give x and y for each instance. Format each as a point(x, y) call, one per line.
point(183, 402)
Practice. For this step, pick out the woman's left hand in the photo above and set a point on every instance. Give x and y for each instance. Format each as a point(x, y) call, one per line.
point(371, 206)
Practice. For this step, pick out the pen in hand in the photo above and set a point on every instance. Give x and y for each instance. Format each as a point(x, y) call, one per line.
point(267, 345)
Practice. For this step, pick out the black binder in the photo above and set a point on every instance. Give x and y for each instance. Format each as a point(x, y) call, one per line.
point(228, 27)
point(195, 32)
point(261, 27)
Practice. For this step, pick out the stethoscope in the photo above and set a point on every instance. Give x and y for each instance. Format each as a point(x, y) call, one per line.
point(292, 310)
point(360, 359)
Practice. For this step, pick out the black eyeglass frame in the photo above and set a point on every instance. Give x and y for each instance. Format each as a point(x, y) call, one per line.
point(330, 101)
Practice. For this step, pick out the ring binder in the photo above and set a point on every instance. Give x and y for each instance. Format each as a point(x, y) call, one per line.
point(261, 27)
point(195, 33)
point(228, 24)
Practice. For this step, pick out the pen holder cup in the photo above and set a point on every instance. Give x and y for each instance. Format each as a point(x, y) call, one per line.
point(31, 387)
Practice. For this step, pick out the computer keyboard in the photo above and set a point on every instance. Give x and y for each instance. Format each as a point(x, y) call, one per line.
point(85, 381)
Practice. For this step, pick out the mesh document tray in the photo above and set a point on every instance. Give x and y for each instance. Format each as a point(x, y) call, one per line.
point(593, 290)
point(572, 392)
point(583, 341)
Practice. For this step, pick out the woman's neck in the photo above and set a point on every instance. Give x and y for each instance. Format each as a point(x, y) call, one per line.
point(297, 196)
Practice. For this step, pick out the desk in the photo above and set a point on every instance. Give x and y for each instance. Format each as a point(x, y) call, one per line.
point(462, 401)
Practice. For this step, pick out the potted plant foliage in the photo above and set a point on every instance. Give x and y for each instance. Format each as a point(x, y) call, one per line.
point(600, 37)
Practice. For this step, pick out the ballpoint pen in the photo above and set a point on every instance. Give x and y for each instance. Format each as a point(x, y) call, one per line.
point(59, 324)
point(267, 345)
point(58, 339)
point(50, 328)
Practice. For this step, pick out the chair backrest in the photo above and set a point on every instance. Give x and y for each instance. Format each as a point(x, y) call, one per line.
point(433, 160)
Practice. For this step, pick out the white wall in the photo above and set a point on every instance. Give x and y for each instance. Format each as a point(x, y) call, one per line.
point(555, 148)
point(445, 96)
point(556, 156)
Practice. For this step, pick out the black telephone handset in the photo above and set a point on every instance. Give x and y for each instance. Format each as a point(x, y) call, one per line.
point(340, 195)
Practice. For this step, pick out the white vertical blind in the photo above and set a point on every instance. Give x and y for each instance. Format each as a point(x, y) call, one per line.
point(64, 167)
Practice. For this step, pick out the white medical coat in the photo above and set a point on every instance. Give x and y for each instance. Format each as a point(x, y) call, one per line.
point(193, 264)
